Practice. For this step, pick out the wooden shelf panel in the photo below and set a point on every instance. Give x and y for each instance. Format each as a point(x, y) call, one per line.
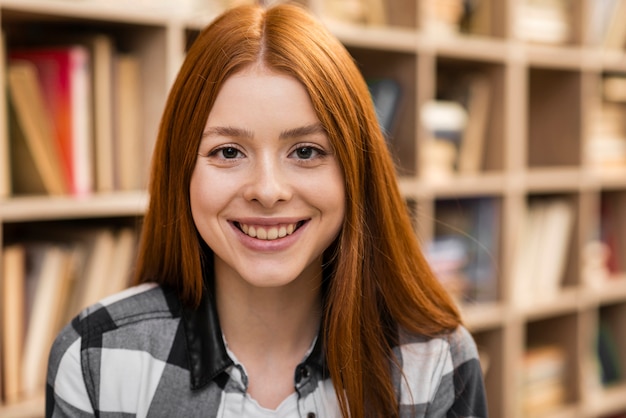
point(29, 408)
point(611, 400)
point(374, 37)
point(113, 11)
point(489, 184)
point(37, 208)
point(476, 48)
point(484, 316)
point(567, 301)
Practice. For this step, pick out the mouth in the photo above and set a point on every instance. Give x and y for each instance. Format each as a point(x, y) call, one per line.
point(267, 232)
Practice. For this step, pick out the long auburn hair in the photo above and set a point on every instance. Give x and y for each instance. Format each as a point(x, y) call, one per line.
point(378, 277)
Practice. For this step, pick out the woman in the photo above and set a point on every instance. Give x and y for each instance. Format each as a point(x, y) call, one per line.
point(278, 274)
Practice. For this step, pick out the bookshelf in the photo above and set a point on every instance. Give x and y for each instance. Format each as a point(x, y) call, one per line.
point(535, 148)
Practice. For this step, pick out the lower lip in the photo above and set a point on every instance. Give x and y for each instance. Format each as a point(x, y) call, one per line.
point(269, 246)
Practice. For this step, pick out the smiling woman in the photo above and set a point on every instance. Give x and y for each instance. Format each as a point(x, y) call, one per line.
point(261, 290)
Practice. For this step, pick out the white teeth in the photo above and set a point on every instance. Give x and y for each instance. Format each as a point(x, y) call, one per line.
point(270, 233)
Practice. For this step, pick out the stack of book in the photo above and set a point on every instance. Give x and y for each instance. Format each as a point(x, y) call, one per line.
point(45, 283)
point(74, 119)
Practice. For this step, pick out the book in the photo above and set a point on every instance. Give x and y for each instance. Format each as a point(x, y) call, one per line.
point(95, 279)
point(103, 56)
point(600, 17)
point(122, 261)
point(35, 158)
point(13, 320)
point(129, 152)
point(543, 379)
point(64, 76)
point(541, 251)
point(444, 122)
point(615, 34)
point(473, 139)
point(49, 286)
point(443, 17)
point(607, 351)
point(5, 162)
point(465, 248)
point(613, 231)
point(544, 21)
point(477, 18)
point(386, 94)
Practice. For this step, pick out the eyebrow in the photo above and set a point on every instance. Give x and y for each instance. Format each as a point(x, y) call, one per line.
point(312, 129)
point(233, 132)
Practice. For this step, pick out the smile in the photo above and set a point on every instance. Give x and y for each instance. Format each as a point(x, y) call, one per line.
point(269, 233)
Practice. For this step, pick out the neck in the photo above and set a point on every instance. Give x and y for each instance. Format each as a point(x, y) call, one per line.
point(281, 320)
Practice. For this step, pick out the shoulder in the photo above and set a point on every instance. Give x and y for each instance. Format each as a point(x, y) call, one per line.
point(132, 314)
point(457, 346)
point(127, 319)
point(113, 343)
point(440, 373)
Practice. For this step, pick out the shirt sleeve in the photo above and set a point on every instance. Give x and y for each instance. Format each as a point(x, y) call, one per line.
point(66, 392)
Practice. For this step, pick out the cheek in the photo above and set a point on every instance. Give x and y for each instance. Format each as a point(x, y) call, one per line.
point(206, 195)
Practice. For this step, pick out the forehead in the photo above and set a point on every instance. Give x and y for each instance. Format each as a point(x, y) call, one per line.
point(257, 96)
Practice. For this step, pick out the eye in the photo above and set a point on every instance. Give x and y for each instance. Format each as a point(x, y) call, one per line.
point(229, 152)
point(308, 152)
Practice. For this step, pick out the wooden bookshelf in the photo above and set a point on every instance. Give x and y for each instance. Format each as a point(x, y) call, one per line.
point(535, 147)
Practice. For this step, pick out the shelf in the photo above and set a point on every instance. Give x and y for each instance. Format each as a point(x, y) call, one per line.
point(112, 11)
point(374, 37)
point(475, 48)
point(490, 184)
point(550, 180)
point(30, 408)
point(484, 316)
point(38, 208)
point(607, 401)
point(567, 301)
point(611, 290)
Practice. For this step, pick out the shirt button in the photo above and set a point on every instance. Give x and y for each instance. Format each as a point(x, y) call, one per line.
point(310, 415)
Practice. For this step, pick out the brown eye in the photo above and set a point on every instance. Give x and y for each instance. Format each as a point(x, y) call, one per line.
point(305, 153)
point(230, 152)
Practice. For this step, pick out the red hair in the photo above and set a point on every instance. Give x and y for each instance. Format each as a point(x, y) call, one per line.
point(378, 279)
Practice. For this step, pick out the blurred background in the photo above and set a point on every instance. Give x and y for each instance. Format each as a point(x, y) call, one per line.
point(506, 120)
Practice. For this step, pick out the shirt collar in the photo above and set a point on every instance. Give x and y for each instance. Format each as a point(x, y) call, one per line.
point(207, 354)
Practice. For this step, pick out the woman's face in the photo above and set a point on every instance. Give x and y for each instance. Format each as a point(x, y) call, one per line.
point(267, 193)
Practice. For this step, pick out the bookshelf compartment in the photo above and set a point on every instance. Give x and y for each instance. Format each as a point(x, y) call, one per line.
point(465, 249)
point(486, 18)
point(545, 264)
point(556, 22)
point(550, 369)
point(371, 13)
point(401, 13)
point(397, 70)
point(606, 146)
point(479, 88)
point(490, 350)
point(611, 344)
point(53, 270)
point(554, 118)
point(613, 230)
point(125, 80)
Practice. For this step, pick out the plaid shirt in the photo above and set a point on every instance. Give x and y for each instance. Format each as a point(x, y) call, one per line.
point(141, 354)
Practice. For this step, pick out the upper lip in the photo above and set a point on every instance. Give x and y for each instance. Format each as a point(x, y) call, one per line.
point(268, 221)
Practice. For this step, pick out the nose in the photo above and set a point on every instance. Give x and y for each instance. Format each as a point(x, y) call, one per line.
point(268, 183)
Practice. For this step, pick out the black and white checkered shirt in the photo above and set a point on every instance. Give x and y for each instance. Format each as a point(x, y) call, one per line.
point(141, 354)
